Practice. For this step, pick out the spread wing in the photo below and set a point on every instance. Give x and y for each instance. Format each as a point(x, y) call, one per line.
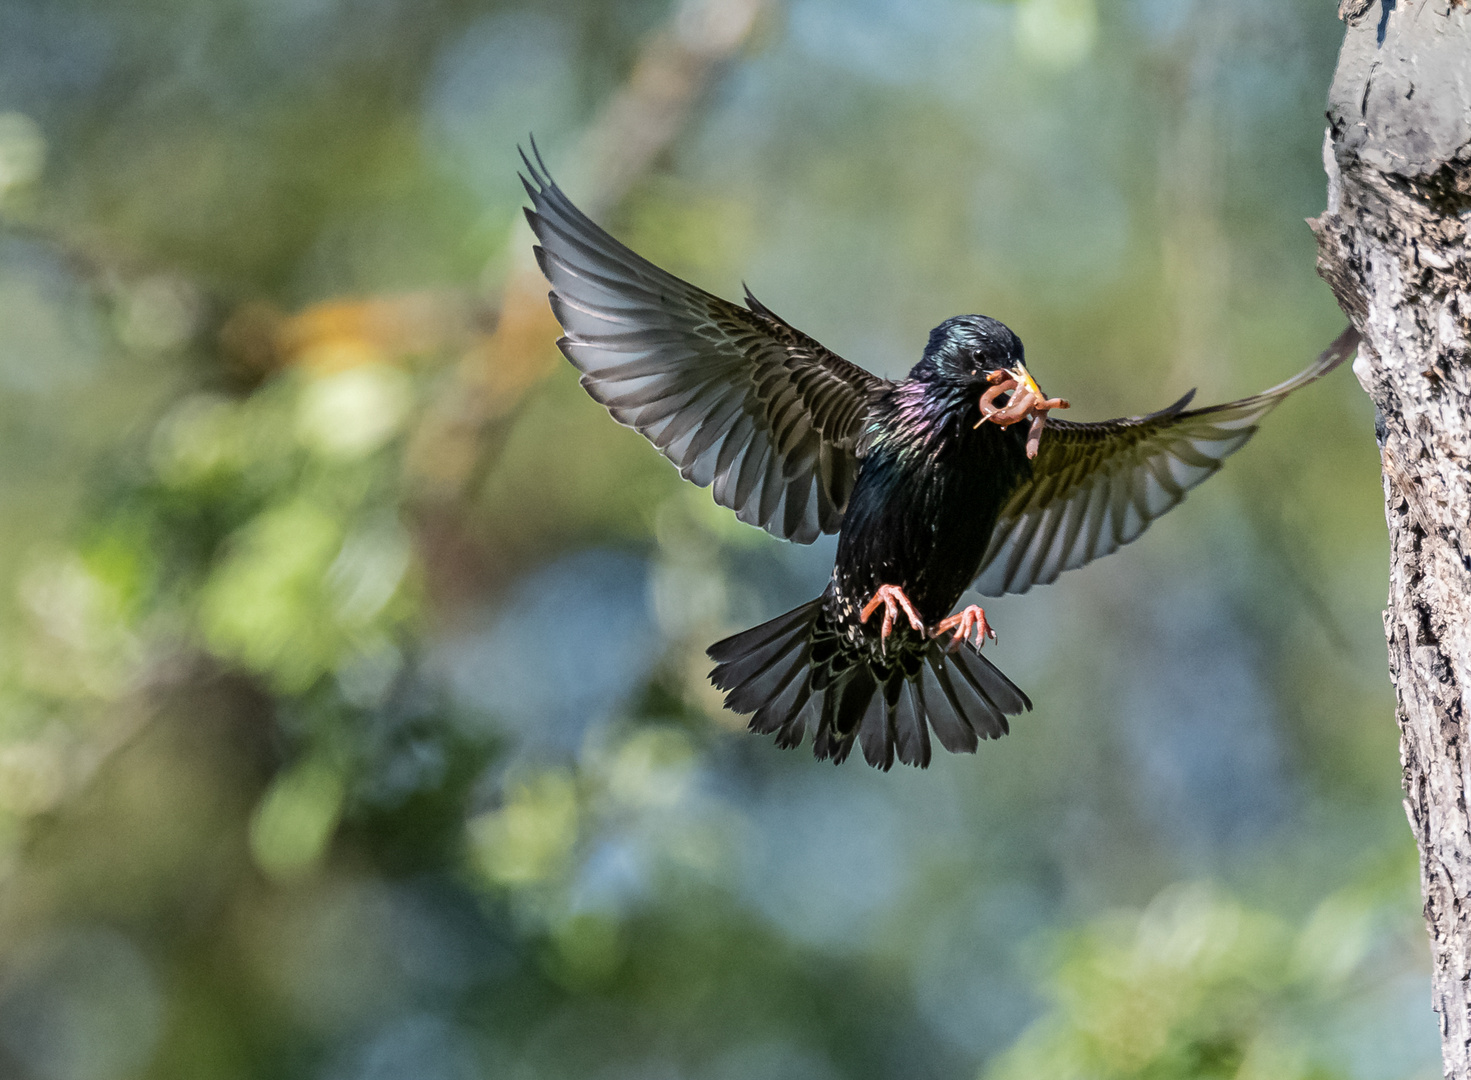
point(734, 396)
point(1096, 487)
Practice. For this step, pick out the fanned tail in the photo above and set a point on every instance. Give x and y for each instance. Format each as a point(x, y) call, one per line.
point(796, 672)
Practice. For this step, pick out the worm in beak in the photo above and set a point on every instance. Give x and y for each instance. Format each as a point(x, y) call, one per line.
point(1027, 402)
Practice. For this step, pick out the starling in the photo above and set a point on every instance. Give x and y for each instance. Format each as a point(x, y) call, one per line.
point(954, 477)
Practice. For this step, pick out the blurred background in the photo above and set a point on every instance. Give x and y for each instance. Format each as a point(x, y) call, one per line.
point(353, 714)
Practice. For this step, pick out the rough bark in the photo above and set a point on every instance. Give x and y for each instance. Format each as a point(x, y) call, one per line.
point(1393, 245)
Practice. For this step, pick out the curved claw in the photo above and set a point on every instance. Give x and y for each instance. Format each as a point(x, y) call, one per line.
point(894, 601)
point(972, 620)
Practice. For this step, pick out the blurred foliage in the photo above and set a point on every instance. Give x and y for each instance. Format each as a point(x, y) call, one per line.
point(353, 712)
point(1199, 986)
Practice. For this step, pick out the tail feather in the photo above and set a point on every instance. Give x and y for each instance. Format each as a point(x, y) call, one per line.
point(796, 672)
point(994, 688)
point(756, 666)
point(794, 730)
point(876, 731)
point(911, 733)
point(946, 715)
point(845, 708)
point(785, 702)
point(970, 694)
point(749, 640)
point(757, 678)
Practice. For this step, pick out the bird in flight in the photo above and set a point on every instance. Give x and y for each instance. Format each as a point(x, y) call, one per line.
point(956, 476)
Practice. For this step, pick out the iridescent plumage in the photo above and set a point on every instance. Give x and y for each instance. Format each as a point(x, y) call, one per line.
point(925, 496)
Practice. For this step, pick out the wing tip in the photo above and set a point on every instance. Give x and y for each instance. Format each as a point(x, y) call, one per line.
point(1339, 349)
point(1346, 344)
point(1169, 410)
point(756, 306)
point(537, 168)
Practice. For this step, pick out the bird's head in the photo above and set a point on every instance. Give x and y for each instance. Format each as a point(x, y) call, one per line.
point(965, 350)
point(973, 354)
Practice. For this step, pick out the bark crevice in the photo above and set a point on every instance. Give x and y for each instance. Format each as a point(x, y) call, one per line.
point(1392, 244)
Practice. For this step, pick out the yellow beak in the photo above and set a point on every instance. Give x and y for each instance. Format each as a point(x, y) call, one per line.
point(1023, 376)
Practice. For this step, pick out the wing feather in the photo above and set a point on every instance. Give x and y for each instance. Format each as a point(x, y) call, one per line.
point(1096, 487)
point(734, 396)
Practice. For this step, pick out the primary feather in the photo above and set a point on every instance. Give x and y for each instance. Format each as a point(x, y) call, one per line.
point(736, 397)
point(1096, 487)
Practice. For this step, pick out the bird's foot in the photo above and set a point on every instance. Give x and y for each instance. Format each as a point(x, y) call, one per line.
point(964, 623)
point(894, 601)
point(1027, 402)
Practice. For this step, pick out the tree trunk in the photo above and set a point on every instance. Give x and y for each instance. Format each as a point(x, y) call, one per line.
point(1393, 245)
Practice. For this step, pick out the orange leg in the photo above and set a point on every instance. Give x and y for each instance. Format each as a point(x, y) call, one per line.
point(894, 601)
point(970, 621)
